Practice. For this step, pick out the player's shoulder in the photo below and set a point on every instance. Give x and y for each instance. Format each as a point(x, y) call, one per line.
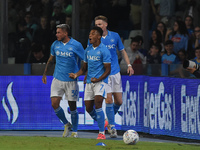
point(88, 47)
point(103, 47)
point(112, 33)
point(56, 42)
point(74, 42)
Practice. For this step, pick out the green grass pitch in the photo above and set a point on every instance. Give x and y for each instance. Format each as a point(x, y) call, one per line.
point(58, 143)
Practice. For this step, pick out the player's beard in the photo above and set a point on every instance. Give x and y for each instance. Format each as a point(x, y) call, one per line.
point(62, 39)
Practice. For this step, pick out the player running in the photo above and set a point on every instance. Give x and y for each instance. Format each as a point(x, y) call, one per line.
point(113, 42)
point(97, 61)
point(67, 53)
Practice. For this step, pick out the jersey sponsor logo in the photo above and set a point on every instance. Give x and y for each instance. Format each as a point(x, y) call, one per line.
point(64, 54)
point(112, 46)
point(97, 58)
point(176, 39)
point(13, 113)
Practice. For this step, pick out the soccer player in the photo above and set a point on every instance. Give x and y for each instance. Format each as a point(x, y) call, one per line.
point(97, 61)
point(113, 43)
point(67, 52)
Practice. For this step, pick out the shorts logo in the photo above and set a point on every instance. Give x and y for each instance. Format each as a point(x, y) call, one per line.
point(13, 105)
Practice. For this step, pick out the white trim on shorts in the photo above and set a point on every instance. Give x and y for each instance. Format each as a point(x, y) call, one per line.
point(114, 83)
point(93, 89)
point(69, 88)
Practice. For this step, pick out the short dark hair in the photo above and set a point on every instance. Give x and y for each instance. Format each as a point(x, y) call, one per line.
point(197, 48)
point(134, 39)
point(65, 27)
point(98, 29)
point(169, 42)
point(158, 46)
point(139, 38)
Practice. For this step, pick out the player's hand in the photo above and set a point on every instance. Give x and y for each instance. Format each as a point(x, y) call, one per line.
point(73, 75)
point(44, 79)
point(94, 80)
point(130, 71)
point(191, 70)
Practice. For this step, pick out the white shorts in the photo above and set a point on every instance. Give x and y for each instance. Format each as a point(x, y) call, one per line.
point(114, 83)
point(93, 89)
point(70, 89)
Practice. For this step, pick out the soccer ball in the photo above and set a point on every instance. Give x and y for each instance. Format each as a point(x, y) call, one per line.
point(130, 137)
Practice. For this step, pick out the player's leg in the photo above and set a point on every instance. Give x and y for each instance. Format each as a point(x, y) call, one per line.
point(100, 90)
point(89, 104)
point(117, 101)
point(101, 117)
point(74, 117)
point(72, 95)
point(89, 101)
point(109, 105)
point(109, 112)
point(56, 95)
point(55, 102)
point(117, 92)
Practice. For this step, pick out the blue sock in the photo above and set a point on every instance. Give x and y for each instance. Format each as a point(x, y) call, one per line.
point(74, 118)
point(116, 108)
point(110, 114)
point(61, 115)
point(93, 114)
point(100, 119)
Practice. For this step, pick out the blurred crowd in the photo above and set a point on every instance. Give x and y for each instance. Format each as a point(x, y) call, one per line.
point(174, 28)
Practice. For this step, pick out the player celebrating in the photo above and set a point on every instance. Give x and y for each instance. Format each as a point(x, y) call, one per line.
point(97, 61)
point(113, 42)
point(66, 52)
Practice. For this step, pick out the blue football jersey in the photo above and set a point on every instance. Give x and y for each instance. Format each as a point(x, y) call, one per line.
point(113, 43)
point(95, 58)
point(68, 58)
point(169, 59)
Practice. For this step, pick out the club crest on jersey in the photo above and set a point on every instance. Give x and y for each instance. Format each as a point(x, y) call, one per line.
point(98, 52)
point(70, 49)
point(57, 53)
point(112, 40)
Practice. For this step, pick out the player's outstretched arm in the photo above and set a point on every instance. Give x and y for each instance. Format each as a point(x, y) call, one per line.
point(130, 70)
point(104, 75)
point(80, 72)
point(50, 60)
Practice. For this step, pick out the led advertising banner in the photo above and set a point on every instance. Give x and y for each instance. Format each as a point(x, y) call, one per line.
point(155, 105)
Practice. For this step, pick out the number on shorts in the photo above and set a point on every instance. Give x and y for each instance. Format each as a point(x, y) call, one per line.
point(102, 85)
point(74, 93)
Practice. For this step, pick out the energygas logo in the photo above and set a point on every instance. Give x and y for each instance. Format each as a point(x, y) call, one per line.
point(12, 109)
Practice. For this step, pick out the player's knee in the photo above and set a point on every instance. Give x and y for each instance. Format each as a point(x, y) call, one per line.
point(109, 101)
point(54, 105)
point(89, 109)
point(118, 103)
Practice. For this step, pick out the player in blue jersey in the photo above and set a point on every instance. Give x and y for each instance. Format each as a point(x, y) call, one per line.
point(113, 42)
point(97, 61)
point(67, 52)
